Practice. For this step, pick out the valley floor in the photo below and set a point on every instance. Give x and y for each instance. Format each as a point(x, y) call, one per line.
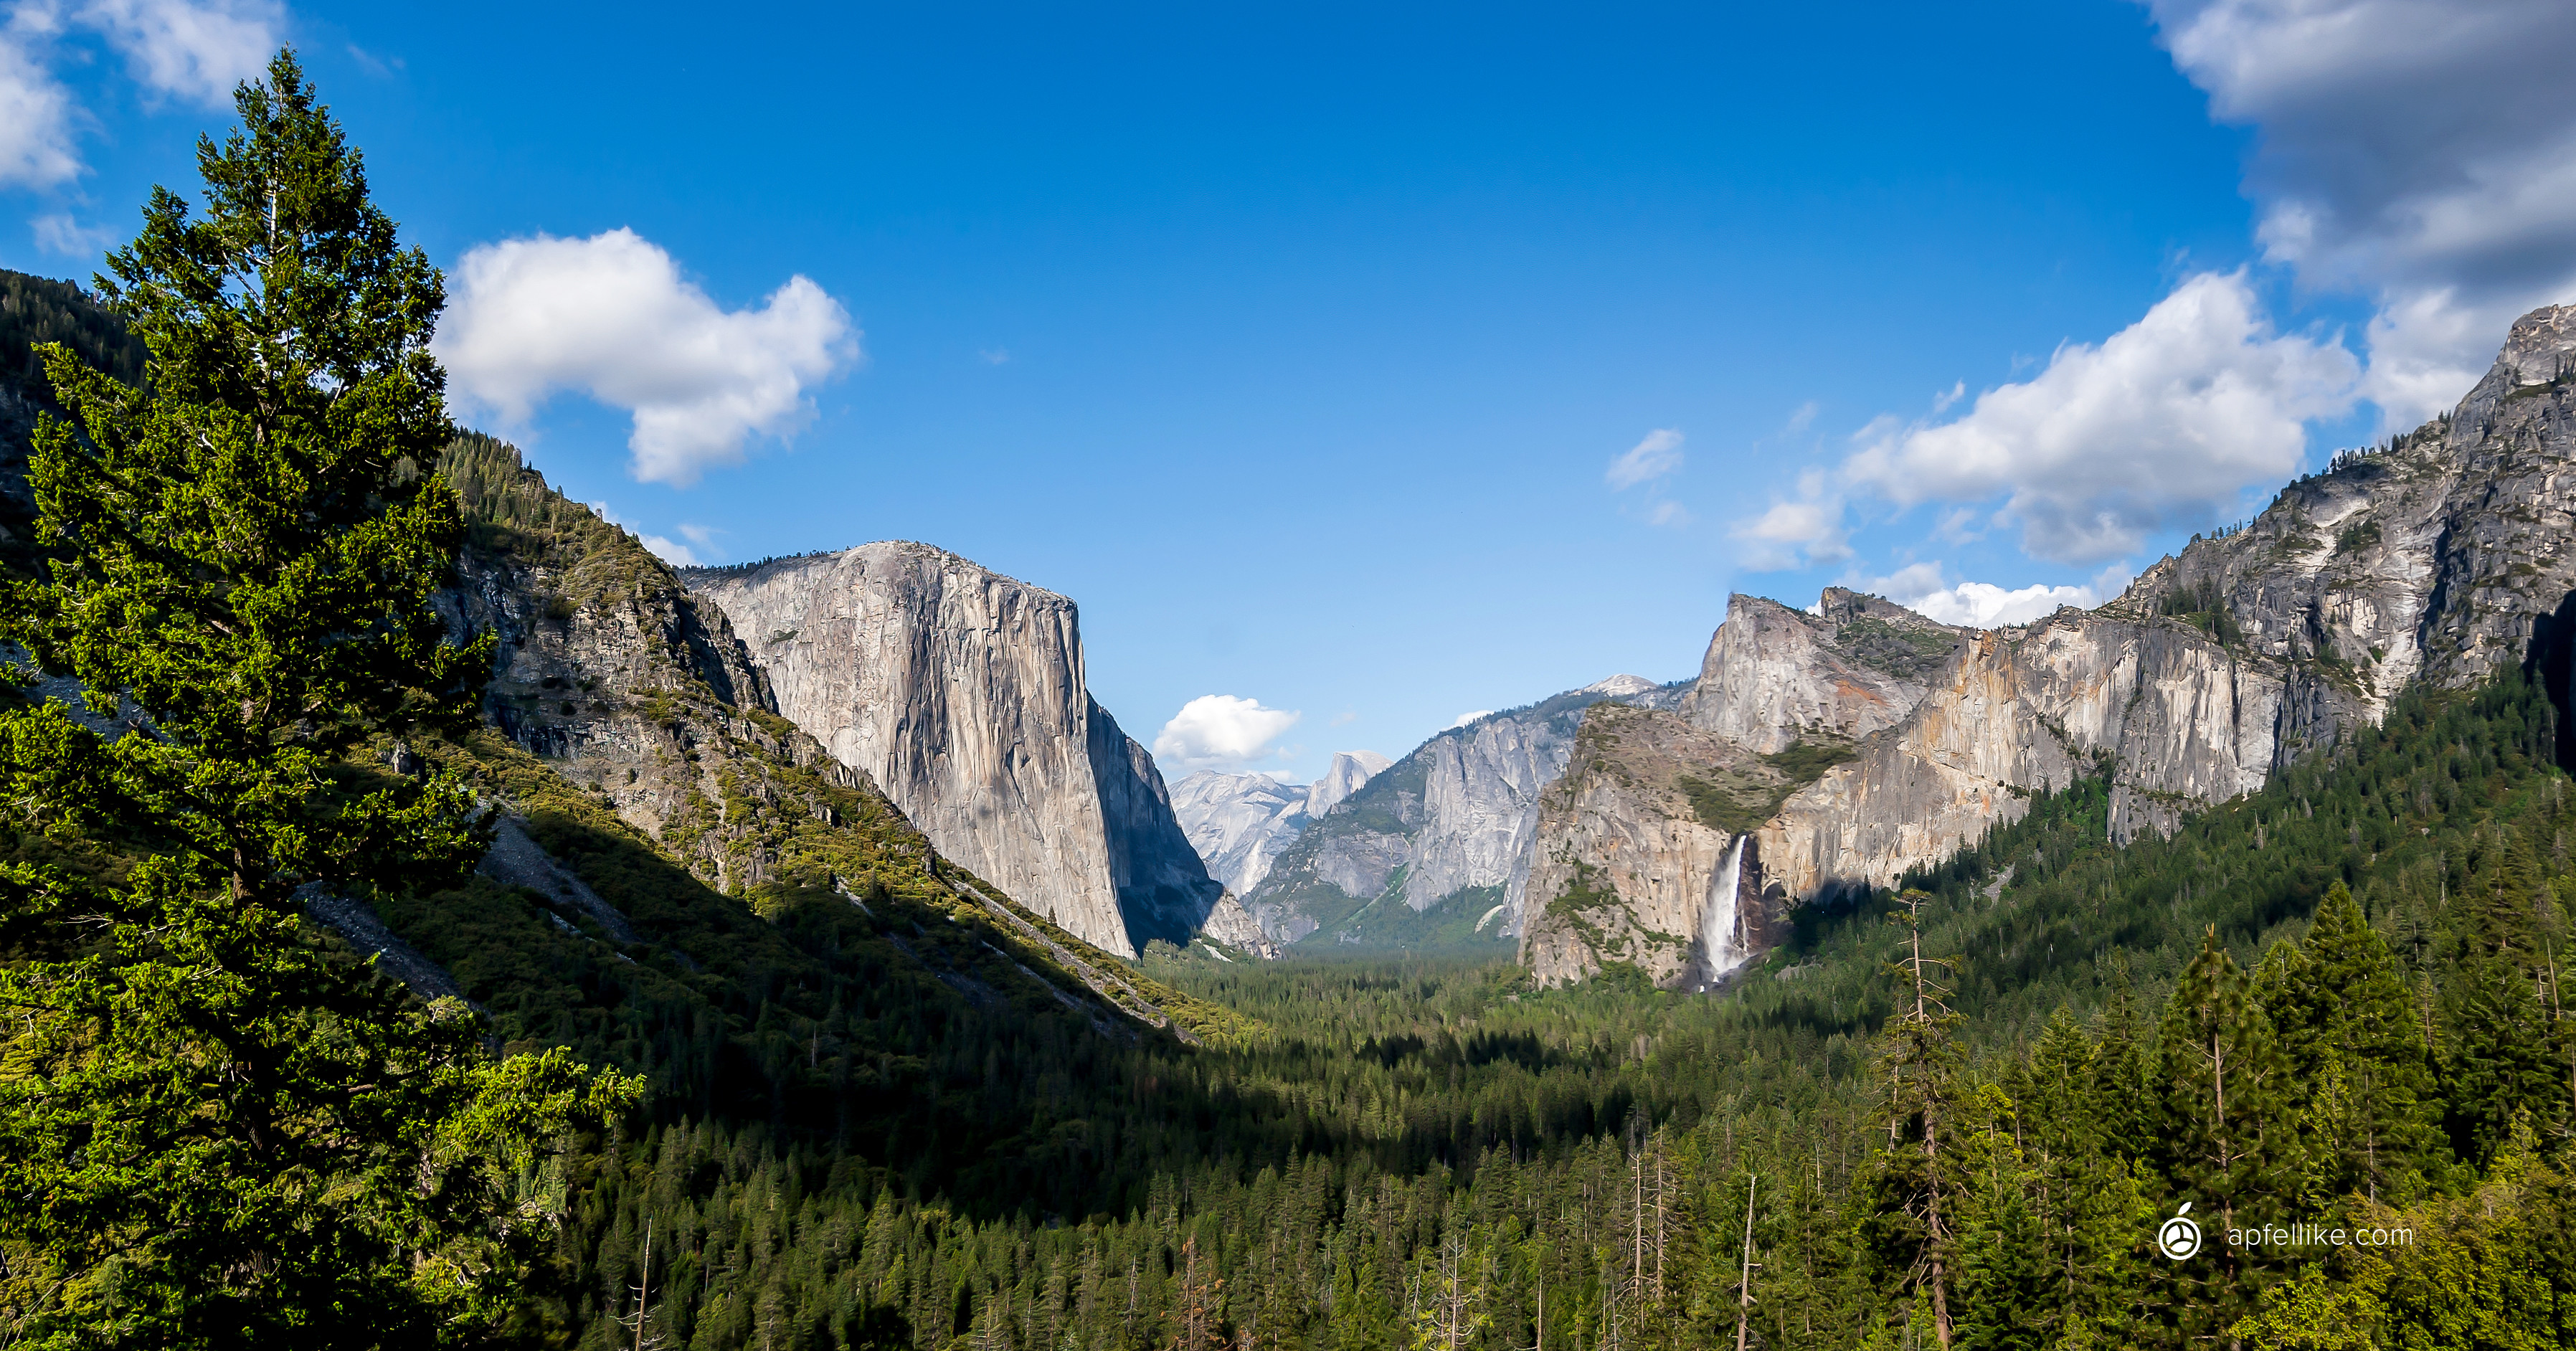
point(2330, 1005)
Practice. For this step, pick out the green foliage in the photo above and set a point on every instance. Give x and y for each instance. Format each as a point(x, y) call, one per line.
point(1743, 805)
point(1434, 1144)
point(215, 1132)
point(38, 310)
point(2204, 605)
point(1909, 652)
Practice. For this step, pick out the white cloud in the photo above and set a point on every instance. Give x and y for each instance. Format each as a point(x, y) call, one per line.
point(703, 536)
point(1659, 454)
point(1466, 718)
point(1221, 731)
point(1805, 529)
point(671, 551)
point(611, 316)
point(36, 148)
point(59, 233)
point(1921, 588)
point(2422, 152)
point(1799, 421)
point(196, 51)
point(192, 50)
point(1668, 513)
point(2160, 426)
point(663, 547)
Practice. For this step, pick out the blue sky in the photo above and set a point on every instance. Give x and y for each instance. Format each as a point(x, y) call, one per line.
point(1382, 364)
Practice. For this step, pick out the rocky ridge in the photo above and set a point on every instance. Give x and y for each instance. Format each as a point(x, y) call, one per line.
point(618, 695)
point(2436, 557)
point(1238, 822)
point(1447, 827)
point(961, 694)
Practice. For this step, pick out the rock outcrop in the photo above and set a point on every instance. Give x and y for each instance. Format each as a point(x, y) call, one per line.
point(1349, 772)
point(1636, 864)
point(1239, 822)
point(961, 694)
point(1449, 826)
point(2437, 557)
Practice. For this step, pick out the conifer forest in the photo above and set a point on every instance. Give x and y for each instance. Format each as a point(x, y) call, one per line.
point(775, 1074)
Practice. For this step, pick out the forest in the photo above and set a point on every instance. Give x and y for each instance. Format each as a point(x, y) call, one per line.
point(823, 1089)
point(2361, 958)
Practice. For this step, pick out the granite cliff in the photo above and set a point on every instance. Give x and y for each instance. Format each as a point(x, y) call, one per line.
point(1436, 847)
point(623, 712)
point(2436, 557)
point(961, 694)
point(1239, 823)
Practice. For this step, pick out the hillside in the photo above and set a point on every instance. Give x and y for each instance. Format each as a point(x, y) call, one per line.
point(1433, 851)
point(2434, 558)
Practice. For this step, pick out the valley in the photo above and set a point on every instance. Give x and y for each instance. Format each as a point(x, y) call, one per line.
point(432, 918)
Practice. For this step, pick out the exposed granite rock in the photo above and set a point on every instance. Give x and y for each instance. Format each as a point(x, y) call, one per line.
point(1349, 771)
point(1454, 818)
point(1630, 869)
point(1232, 925)
point(960, 693)
point(1238, 823)
point(1774, 675)
point(2438, 557)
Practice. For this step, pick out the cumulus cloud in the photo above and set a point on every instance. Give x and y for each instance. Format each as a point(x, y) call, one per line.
point(1221, 731)
point(59, 233)
point(2161, 425)
point(192, 49)
point(36, 147)
point(612, 317)
point(2419, 151)
point(1922, 588)
point(1465, 718)
point(671, 551)
point(1659, 454)
point(1807, 528)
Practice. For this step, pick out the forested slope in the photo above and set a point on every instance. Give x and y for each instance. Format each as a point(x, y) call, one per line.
point(891, 1108)
point(1436, 1148)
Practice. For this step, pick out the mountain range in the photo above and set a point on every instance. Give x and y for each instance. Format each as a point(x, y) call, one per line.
point(1821, 753)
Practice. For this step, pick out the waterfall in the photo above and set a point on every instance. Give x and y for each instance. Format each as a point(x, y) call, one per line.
point(1717, 954)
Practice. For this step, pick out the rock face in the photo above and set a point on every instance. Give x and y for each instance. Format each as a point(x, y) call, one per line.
point(2437, 557)
point(1449, 825)
point(1349, 772)
point(1239, 822)
point(1774, 675)
point(1633, 870)
point(961, 694)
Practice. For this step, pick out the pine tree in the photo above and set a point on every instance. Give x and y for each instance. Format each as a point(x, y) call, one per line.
point(2360, 1029)
point(2225, 1122)
point(1916, 1193)
point(215, 1132)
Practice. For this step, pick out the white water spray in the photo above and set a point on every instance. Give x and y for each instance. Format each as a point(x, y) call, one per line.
point(1717, 951)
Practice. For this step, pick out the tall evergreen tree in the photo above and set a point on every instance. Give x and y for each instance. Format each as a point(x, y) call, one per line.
point(2226, 1124)
point(214, 1131)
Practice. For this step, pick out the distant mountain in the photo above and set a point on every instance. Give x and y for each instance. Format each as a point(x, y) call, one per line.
point(1433, 850)
point(1238, 822)
point(1348, 773)
point(1826, 751)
